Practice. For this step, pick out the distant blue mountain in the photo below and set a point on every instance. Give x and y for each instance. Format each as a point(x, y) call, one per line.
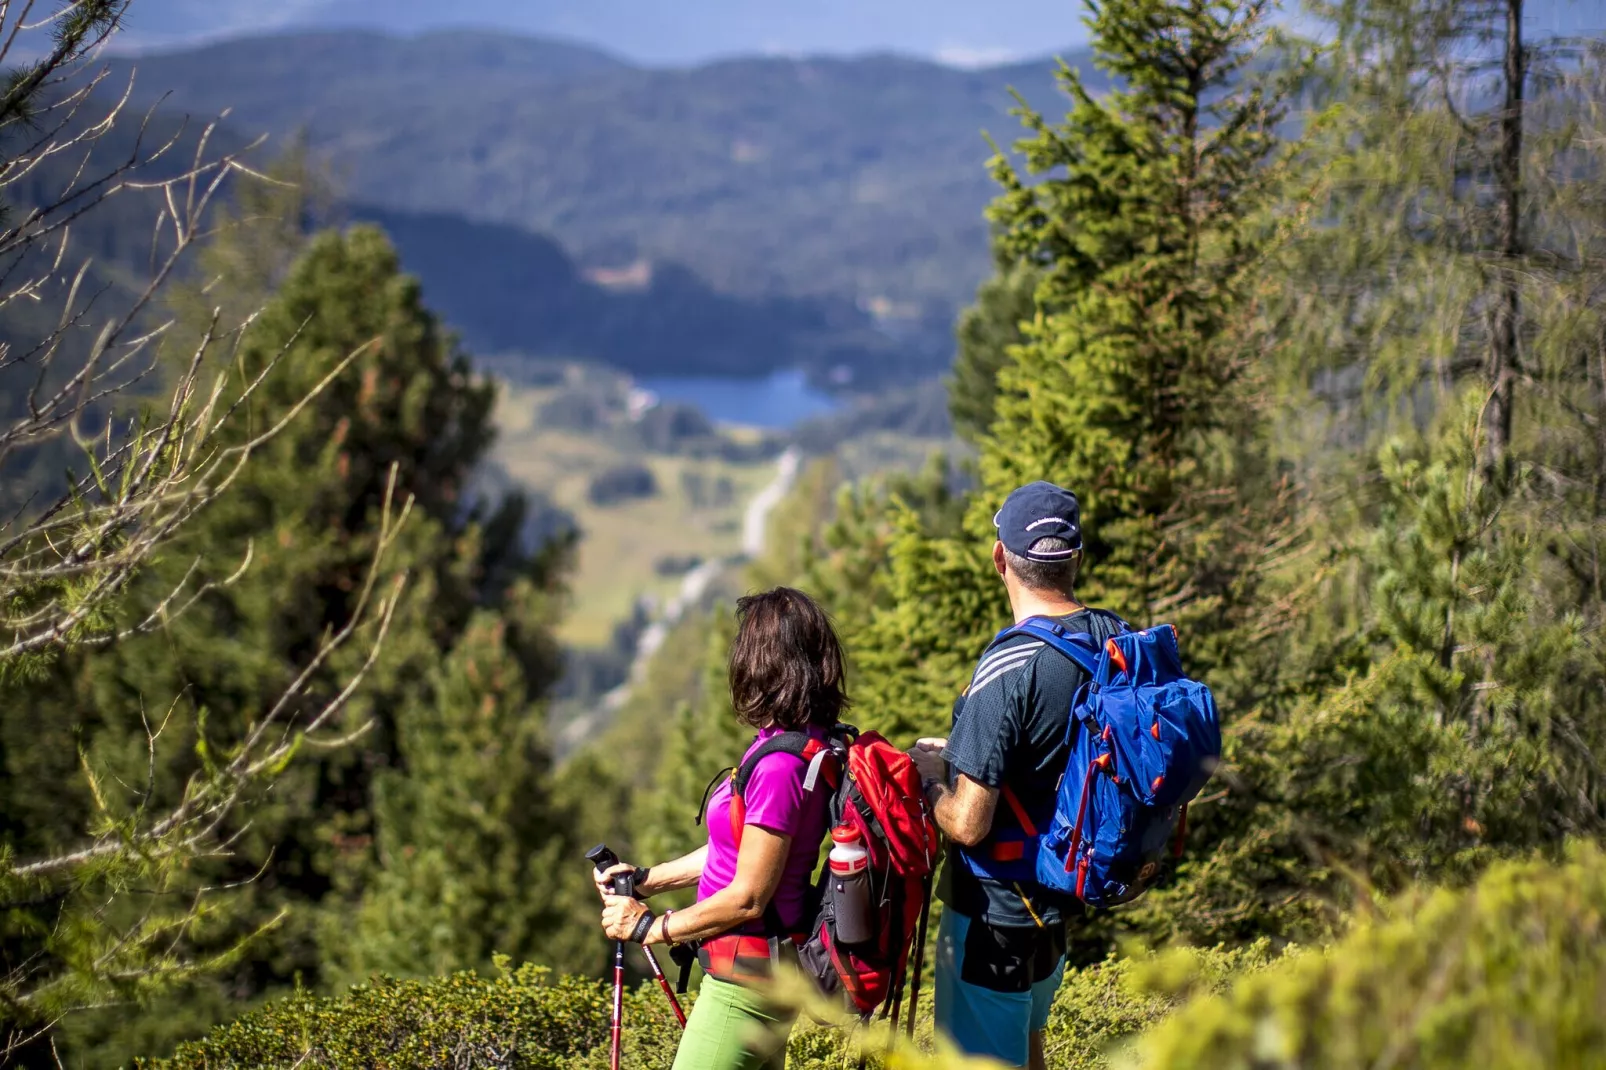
point(854, 181)
point(661, 31)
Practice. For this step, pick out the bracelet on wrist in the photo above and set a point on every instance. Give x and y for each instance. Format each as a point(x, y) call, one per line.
point(644, 926)
point(663, 930)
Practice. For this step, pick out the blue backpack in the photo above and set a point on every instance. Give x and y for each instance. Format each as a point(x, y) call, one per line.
point(1144, 739)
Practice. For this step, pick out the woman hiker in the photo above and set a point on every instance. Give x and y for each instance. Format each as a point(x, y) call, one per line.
point(785, 676)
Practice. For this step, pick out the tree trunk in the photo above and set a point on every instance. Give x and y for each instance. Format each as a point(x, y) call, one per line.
point(1503, 357)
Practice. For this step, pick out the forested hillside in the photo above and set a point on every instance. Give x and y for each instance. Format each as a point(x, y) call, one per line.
point(831, 185)
point(1332, 394)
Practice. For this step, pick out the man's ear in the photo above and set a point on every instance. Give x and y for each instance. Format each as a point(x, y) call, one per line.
point(998, 558)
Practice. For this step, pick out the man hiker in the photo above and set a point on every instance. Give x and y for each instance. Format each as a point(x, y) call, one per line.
point(991, 786)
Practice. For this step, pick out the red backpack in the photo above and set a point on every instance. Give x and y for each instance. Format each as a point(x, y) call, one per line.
point(879, 796)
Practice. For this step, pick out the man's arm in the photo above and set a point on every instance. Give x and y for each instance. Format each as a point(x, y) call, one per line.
point(963, 812)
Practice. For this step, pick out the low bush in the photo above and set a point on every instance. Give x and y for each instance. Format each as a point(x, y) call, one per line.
point(1510, 974)
point(530, 1020)
point(1101, 1009)
point(524, 1018)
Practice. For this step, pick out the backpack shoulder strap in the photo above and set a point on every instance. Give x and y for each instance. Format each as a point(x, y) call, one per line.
point(799, 745)
point(1080, 647)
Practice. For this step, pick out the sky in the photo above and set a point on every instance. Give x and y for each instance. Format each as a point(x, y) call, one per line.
point(677, 32)
point(961, 32)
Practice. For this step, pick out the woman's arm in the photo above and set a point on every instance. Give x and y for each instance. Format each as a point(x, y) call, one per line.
point(760, 862)
point(682, 872)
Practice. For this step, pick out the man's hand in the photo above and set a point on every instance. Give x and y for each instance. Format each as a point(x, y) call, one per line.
point(927, 756)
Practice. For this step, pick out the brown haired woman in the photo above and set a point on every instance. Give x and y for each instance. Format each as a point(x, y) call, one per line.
point(785, 676)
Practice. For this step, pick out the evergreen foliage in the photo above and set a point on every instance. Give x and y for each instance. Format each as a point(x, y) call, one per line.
point(269, 571)
point(469, 838)
point(1507, 974)
point(987, 332)
point(1131, 383)
point(704, 738)
point(1334, 407)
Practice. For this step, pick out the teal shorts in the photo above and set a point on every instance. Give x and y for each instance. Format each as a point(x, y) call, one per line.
point(979, 1020)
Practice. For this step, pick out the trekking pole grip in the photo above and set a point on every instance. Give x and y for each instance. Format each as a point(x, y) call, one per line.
point(602, 858)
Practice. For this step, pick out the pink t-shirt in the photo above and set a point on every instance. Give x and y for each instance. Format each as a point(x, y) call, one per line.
point(777, 803)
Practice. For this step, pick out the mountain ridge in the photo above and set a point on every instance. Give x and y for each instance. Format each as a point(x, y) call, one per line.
point(651, 31)
point(854, 179)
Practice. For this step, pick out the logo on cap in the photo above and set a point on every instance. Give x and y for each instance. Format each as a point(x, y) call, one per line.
point(1040, 511)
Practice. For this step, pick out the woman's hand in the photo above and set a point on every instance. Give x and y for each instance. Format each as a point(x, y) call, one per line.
point(604, 878)
point(620, 915)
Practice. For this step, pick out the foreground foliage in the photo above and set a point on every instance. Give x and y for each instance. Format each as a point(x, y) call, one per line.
point(522, 1018)
point(531, 1019)
point(1509, 973)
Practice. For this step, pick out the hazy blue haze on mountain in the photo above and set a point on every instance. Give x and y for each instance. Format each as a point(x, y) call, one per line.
point(858, 180)
point(505, 290)
point(658, 31)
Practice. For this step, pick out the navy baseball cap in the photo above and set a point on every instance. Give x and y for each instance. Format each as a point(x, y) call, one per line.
point(1038, 511)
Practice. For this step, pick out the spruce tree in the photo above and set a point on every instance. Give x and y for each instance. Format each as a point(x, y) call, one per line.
point(279, 561)
point(470, 846)
point(1136, 382)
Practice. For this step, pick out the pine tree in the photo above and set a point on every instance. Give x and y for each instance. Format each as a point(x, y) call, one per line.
point(1436, 759)
point(1472, 708)
point(282, 558)
point(471, 846)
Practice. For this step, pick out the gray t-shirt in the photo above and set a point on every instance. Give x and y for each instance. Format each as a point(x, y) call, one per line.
point(1009, 727)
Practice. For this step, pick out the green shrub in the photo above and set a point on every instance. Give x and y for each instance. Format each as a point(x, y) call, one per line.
point(524, 1018)
point(1101, 1008)
point(1509, 974)
point(530, 1020)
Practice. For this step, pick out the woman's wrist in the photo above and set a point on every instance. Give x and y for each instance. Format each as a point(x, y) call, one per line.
point(658, 931)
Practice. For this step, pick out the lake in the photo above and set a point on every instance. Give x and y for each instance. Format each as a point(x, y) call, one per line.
point(780, 400)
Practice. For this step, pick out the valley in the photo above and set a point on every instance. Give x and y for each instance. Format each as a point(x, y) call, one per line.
point(735, 217)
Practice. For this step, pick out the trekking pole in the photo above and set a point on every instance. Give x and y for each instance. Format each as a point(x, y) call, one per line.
point(625, 884)
point(663, 983)
point(617, 1025)
point(601, 858)
point(920, 955)
point(897, 997)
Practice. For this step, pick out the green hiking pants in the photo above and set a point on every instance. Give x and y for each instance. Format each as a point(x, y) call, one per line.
point(732, 1028)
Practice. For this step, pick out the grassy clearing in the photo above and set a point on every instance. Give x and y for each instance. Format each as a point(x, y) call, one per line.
point(622, 542)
